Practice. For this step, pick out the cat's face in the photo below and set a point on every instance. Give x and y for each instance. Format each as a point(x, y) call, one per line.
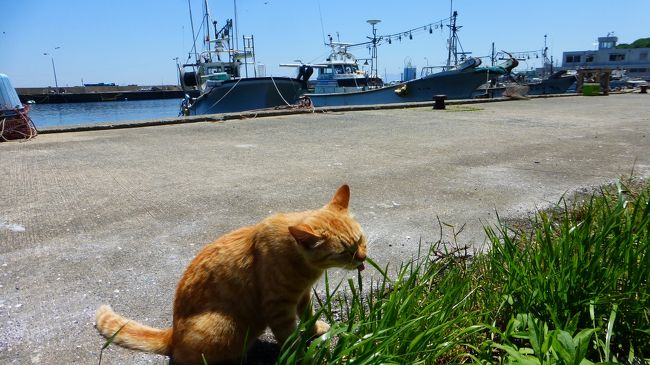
point(332, 237)
point(348, 253)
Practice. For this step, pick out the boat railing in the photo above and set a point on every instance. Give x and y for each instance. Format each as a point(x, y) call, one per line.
point(429, 70)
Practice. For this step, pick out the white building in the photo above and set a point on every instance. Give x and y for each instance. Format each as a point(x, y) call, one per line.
point(634, 60)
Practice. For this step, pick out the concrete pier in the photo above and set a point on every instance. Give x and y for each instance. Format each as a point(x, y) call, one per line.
point(114, 216)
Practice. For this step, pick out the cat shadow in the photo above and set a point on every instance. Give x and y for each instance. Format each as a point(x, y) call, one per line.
point(263, 352)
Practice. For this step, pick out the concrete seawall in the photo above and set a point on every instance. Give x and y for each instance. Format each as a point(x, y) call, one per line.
point(98, 93)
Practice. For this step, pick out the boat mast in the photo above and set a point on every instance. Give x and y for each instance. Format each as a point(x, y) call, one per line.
point(546, 60)
point(374, 40)
point(196, 55)
point(453, 40)
point(206, 32)
point(236, 21)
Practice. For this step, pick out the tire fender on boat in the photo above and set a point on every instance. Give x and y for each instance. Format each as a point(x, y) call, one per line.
point(402, 90)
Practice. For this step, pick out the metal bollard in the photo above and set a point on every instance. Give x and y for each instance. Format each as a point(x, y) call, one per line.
point(439, 102)
point(644, 89)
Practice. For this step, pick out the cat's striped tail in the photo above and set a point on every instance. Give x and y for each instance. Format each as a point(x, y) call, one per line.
point(132, 335)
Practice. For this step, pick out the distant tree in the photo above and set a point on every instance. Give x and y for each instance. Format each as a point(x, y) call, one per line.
point(639, 43)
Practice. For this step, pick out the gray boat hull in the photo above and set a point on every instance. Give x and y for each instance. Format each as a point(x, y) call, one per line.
point(551, 86)
point(233, 96)
point(556, 85)
point(454, 84)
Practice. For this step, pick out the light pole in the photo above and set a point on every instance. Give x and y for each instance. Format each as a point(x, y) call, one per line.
point(373, 67)
point(56, 82)
point(178, 71)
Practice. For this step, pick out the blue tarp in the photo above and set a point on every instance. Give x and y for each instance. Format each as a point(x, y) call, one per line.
point(8, 97)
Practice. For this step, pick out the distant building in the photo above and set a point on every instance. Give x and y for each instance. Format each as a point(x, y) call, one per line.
point(634, 60)
point(101, 84)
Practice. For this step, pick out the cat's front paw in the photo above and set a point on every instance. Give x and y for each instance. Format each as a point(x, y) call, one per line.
point(320, 328)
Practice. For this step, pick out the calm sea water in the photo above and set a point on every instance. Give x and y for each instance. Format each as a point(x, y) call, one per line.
point(55, 115)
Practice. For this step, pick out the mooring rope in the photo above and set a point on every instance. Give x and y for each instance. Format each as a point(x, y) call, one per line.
point(226, 94)
point(279, 93)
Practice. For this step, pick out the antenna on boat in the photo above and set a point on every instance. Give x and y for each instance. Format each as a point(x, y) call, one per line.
point(374, 40)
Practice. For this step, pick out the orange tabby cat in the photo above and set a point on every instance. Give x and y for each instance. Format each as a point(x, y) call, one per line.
point(247, 280)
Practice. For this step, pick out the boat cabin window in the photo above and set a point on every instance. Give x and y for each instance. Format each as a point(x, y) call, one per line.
point(339, 69)
point(233, 71)
point(326, 71)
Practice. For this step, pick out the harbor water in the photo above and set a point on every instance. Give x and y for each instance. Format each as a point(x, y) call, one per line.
point(68, 114)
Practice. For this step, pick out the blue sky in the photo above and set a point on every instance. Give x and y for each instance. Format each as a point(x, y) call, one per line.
point(135, 41)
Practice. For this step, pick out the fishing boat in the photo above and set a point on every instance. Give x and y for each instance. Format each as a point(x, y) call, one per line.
point(339, 73)
point(221, 75)
point(510, 84)
point(15, 123)
point(454, 81)
point(557, 83)
point(543, 81)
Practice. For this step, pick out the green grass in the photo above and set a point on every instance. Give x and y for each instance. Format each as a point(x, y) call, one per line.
point(570, 289)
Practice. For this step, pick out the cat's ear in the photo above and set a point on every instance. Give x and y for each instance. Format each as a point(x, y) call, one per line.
point(305, 235)
point(341, 198)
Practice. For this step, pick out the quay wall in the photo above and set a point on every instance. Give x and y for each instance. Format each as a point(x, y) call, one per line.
point(81, 94)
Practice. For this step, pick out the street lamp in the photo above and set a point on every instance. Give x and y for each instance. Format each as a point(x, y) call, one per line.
point(373, 67)
point(56, 82)
point(178, 70)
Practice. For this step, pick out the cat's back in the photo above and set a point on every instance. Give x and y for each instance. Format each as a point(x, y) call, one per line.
point(233, 249)
point(224, 264)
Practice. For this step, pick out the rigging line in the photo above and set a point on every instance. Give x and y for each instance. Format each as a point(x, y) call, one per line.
point(319, 58)
point(196, 56)
point(206, 31)
point(322, 28)
point(437, 23)
point(195, 37)
point(226, 94)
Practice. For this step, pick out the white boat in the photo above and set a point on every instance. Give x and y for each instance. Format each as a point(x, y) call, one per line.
point(338, 73)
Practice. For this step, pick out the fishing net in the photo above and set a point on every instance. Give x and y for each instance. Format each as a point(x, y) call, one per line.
point(516, 91)
point(16, 125)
